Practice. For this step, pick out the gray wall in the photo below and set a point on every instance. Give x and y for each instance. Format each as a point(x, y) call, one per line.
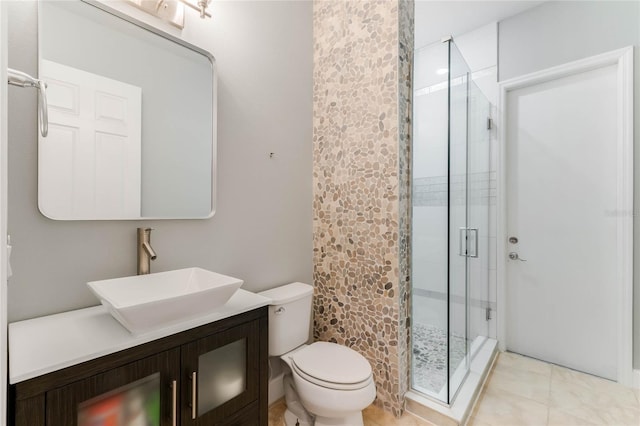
point(262, 230)
point(559, 32)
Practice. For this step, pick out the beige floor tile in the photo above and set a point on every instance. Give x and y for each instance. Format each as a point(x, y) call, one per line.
point(504, 408)
point(511, 361)
point(473, 421)
point(558, 417)
point(375, 416)
point(625, 416)
point(586, 380)
point(409, 419)
point(522, 383)
point(575, 390)
point(593, 399)
point(610, 416)
point(620, 416)
point(371, 422)
point(514, 395)
point(372, 416)
point(276, 413)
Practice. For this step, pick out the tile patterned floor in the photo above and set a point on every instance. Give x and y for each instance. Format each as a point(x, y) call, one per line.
point(521, 391)
point(373, 416)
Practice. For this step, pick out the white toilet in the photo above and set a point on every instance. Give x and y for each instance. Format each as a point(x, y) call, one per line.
point(334, 383)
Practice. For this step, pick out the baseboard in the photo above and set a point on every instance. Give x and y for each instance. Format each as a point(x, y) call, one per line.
point(636, 379)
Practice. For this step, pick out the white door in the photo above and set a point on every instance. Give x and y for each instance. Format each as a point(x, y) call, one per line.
point(90, 163)
point(561, 182)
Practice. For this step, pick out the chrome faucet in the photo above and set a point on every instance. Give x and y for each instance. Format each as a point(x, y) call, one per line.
point(145, 252)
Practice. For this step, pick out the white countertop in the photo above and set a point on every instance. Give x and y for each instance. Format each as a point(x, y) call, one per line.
point(41, 345)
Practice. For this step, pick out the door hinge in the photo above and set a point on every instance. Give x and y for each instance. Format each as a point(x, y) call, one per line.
point(488, 314)
point(489, 123)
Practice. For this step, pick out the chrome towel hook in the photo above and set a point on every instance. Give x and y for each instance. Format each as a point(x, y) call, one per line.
point(21, 79)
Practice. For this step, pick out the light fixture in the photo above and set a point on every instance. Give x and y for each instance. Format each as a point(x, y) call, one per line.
point(200, 7)
point(172, 11)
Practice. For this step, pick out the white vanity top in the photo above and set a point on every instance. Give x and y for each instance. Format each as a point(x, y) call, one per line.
point(41, 345)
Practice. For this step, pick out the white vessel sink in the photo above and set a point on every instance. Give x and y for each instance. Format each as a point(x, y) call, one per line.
point(144, 302)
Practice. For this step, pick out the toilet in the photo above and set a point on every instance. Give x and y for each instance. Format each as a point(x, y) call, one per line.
point(325, 383)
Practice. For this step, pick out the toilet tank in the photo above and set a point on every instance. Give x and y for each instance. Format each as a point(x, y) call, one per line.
point(289, 317)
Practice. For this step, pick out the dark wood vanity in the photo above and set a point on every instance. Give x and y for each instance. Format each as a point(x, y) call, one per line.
point(213, 374)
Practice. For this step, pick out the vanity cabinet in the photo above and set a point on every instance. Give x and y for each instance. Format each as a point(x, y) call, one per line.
point(215, 374)
point(223, 376)
point(141, 390)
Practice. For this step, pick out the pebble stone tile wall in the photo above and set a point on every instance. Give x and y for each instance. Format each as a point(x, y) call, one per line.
point(405, 90)
point(361, 181)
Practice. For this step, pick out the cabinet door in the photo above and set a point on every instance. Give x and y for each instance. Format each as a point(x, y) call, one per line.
point(220, 377)
point(144, 392)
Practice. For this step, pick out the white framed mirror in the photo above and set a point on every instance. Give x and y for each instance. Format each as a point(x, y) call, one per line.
point(132, 118)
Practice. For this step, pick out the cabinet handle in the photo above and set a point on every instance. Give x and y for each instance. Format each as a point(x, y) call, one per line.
point(174, 402)
point(194, 390)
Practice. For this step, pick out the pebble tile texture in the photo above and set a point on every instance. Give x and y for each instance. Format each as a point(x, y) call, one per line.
point(430, 357)
point(405, 108)
point(362, 127)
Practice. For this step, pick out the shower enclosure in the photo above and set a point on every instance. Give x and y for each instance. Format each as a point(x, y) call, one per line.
point(450, 220)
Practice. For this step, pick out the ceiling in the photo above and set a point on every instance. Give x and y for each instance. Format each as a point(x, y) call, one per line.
point(435, 19)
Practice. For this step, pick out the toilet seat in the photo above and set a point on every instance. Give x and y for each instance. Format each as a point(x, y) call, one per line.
point(332, 366)
point(331, 385)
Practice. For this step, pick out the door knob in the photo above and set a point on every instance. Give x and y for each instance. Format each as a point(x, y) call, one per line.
point(514, 256)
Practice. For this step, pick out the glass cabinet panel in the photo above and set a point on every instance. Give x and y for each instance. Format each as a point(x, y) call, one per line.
point(222, 372)
point(223, 375)
point(137, 403)
point(139, 393)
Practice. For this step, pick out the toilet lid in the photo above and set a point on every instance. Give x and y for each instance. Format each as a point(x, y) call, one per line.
point(330, 362)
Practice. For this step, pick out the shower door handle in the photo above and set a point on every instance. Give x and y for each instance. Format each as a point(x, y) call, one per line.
point(472, 242)
point(468, 242)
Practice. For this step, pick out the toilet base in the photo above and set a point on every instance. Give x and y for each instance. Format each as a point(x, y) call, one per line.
point(291, 419)
point(353, 420)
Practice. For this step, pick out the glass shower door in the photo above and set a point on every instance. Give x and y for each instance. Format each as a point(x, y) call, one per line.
point(479, 187)
point(450, 243)
point(430, 218)
point(469, 177)
point(459, 233)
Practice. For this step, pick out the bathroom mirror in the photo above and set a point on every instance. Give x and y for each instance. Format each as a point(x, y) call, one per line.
point(132, 118)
